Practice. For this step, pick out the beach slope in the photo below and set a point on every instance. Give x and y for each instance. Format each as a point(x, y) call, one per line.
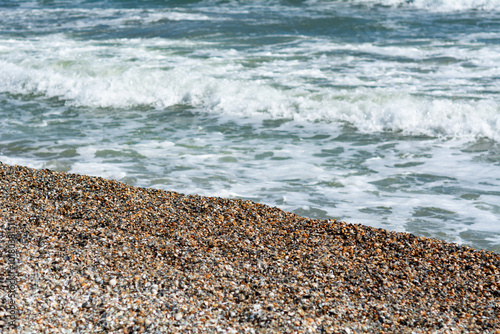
point(93, 255)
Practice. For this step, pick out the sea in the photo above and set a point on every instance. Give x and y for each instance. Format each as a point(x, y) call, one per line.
point(377, 112)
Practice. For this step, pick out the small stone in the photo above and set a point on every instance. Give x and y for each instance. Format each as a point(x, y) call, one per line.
point(178, 316)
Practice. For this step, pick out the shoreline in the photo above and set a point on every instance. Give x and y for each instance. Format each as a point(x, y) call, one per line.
point(96, 255)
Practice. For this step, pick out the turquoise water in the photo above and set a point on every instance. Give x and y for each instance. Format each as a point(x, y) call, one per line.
point(385, 113)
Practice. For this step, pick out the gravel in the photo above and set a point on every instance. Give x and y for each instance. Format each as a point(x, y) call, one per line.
point(83, 254)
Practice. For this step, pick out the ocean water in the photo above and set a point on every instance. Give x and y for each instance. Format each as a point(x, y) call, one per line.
point(379, 112)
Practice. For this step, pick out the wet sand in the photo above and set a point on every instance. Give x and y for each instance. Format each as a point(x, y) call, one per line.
point(89, 255)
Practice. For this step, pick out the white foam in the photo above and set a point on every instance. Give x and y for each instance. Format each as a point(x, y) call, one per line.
point(438, 5)
point(453, 5)
point(21, 161)
point(103, 75)
point(106, 170)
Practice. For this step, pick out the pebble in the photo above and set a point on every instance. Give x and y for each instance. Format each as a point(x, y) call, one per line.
point(96, 256)
point(113, 282)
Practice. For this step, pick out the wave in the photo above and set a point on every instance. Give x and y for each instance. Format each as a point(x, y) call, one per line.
point(159, 73)
point(439, 5)
point(370, 110)
point(432, 5)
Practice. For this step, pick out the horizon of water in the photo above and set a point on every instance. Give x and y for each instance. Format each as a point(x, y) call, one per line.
point(379, 112)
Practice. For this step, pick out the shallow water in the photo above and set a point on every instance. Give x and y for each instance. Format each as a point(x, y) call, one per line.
point(384, 113)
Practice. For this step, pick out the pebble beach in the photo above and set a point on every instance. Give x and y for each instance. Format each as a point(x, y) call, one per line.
point(95, 255)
